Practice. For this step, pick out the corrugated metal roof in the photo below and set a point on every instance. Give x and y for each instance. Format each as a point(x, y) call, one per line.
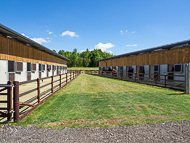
point(154, 49)
point(5, 31)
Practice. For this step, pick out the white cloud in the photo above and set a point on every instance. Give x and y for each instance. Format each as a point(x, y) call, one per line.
point(109, 51)
point(24, 35)
point(39, 40)
point(82, 51)
point(70, 33)
point(126, 30)
point(103, 47)
point(50, 32)
point(133, 32)
point(131, 45)
point(121, 31)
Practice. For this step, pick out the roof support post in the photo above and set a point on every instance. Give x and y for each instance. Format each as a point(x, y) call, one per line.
point(187, 78)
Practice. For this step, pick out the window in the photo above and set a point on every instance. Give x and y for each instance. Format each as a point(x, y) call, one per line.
point(156, 68)
point(11, 67)
point(178, 68)
point(18, 66)
point(33, 67)
point(40, 67)
point(43, 67)
point(28, 66)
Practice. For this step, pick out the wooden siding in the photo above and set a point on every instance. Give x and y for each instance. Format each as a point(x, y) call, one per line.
point(174, 56)
point(11, 50)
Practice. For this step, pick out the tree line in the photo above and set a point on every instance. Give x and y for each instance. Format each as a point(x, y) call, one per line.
point(84, 59)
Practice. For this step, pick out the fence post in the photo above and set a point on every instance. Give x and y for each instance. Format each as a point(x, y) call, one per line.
point(187, 78)
point(165, 80)
point(73, 75)
point(9, 101)
point(70, 76)
point(16, 100)
point(66, 78)
point(52, 83)
point(156, 79)
point(135, 76)
point(38, 88)
point(60, 80)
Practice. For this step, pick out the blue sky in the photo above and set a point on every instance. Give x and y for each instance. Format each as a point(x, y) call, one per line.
point(117, 26)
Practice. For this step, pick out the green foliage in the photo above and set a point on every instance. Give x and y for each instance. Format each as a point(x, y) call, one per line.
point(84, 59)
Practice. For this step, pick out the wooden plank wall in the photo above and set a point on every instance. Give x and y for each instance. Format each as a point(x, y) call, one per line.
point(11, 50)
point(174, 56)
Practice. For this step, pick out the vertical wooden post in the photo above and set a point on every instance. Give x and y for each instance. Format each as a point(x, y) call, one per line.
point(70, 76)
point(52, 84)
point(9, 101)
point(121, 75)
point(73, 74)
point(135, 76)
point(66, 78)
point(60, 81)
point(165, 80)
point(156, 77)
point(16, 100)
point(38, 88)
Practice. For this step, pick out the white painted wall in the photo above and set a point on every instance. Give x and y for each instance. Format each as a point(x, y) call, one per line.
point(134, 70)
point(146, 70)
point(163, 70)
point(22, 76)
point(44, 73)
point(124, 71)
point(35, 74)
point(4, 71)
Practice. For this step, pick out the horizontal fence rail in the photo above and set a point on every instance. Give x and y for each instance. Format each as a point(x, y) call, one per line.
point(161, 80)
point(30, 94)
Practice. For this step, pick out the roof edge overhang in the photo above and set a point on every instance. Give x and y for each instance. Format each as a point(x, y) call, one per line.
point(154, 49)
point(7, 32)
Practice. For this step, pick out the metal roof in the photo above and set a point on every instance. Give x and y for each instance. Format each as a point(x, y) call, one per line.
point(7, 32)
point(154, 49)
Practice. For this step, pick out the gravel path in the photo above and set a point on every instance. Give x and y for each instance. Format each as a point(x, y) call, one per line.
point(160, 132)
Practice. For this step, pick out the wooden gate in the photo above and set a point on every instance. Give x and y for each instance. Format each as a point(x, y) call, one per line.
point(6, 110)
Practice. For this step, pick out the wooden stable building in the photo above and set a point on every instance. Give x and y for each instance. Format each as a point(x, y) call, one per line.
point(22, 59)
point(167, 59)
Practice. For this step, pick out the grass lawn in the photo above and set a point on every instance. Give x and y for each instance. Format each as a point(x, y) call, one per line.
point(92, 101)
point(83, 68)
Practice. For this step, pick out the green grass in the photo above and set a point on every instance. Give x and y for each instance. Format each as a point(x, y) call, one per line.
point(83, 68)
point(92, 101)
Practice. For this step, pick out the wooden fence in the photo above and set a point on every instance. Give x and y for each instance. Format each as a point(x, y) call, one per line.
point(30, 94)
point(161, 80)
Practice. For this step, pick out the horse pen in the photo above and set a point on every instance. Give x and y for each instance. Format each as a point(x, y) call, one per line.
point(19, 99)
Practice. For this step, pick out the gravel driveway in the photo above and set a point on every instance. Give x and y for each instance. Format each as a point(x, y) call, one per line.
point(160, 132)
